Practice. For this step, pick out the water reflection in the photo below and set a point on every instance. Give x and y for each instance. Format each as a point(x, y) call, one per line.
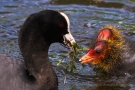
point(98, 3)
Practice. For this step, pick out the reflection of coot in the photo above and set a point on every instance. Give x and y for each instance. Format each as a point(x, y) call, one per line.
point(38, 32)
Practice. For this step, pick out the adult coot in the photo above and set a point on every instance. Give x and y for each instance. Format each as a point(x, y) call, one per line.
point(37, 33)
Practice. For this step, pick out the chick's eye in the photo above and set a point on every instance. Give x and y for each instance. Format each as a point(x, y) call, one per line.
point(98, 51)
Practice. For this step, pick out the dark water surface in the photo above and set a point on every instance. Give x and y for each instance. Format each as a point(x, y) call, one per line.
point(86, 18)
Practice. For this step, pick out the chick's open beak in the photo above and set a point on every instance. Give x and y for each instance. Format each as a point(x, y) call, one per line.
point(86, 59)
point(89, 57)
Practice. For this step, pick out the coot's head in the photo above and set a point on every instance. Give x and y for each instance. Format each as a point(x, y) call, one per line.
point(57, 29)
point(106, 52)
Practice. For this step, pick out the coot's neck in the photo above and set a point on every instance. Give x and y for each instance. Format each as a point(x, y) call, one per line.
point(35, 53)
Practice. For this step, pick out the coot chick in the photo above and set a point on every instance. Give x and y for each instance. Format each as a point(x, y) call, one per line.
point(111, 52)
point(37, 33)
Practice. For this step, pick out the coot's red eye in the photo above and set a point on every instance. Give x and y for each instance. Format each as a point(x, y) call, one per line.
point(61, 25)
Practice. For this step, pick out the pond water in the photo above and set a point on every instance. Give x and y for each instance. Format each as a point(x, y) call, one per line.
point(86, 17)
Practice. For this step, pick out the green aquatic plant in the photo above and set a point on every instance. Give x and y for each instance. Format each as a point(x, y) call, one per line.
point(70, 66)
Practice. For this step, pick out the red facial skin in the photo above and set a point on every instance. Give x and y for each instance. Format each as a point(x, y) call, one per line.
point(104, 35)
point(99, 50)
